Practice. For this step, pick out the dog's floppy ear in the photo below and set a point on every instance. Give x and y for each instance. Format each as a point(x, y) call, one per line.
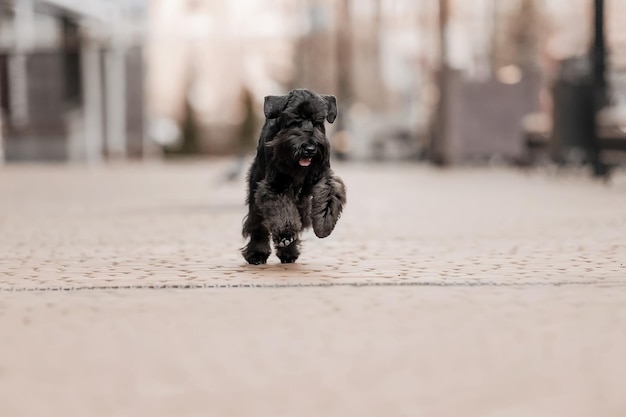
point(331, 108)
point(274, 105)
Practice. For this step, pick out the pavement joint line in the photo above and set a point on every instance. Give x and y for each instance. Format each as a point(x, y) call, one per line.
point(315, 285)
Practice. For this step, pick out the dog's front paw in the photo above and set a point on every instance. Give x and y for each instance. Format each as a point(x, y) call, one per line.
point(289, 254)
point(287, 258)
point(283, 240)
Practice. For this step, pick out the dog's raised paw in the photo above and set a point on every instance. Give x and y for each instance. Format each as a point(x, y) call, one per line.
point(328, 199)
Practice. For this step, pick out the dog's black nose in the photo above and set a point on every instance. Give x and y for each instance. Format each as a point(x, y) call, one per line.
point(309, 149)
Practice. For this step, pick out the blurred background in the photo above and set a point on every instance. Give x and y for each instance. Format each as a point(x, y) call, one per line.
point(448, 82)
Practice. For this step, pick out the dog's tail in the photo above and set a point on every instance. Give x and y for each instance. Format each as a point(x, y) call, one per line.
point(328, 199)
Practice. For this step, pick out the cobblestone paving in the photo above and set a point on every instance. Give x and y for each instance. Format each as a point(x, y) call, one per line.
point(178, 225)
point(486, 292)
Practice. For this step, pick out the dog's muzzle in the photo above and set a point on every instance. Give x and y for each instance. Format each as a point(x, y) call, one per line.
point(308, 152)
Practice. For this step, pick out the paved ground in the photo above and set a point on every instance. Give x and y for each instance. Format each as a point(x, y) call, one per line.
point(471, 292)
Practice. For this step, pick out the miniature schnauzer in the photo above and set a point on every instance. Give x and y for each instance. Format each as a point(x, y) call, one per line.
point(290, 184)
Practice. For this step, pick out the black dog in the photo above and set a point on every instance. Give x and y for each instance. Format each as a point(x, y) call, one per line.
point(290, 183)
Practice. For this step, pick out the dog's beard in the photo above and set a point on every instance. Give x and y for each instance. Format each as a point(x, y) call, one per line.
point(290, 150)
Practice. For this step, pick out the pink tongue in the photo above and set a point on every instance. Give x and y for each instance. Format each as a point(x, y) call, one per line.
point(305, 162)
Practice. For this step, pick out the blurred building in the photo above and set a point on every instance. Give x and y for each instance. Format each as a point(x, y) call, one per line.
point(95, 79)
point(71, 79)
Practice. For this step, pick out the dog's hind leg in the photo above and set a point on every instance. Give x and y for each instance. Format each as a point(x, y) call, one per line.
point(257, 251)
point(280, 215)
point(328, 199)
point(258, 248)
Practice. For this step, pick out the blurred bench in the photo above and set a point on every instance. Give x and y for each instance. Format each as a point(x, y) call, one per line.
point(537, 133)
point(611, 128)
point(537, 130)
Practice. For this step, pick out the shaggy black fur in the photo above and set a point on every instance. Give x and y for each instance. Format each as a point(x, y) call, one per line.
point(290, 183)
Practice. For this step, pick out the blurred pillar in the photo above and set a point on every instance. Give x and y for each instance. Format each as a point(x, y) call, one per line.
point(18, 86)
point(115, 79)
point(378, 85)
point(494, 37)
point(439, 143)
point(17, 69)
point(600, 88)
point(344, 61)
point(599, 55)
point(93, 139)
